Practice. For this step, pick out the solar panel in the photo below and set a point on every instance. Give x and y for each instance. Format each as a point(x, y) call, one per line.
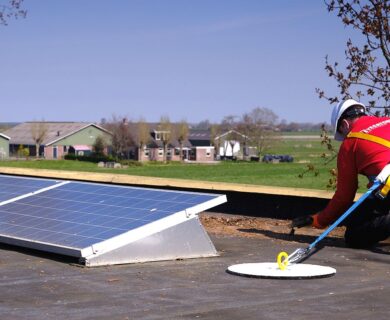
point(86, 219)
point(12, 187)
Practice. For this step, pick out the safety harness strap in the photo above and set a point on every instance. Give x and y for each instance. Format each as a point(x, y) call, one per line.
point(383, 192)
point(369, 137)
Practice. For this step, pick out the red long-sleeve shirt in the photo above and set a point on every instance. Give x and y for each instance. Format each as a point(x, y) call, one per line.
point(357, 156)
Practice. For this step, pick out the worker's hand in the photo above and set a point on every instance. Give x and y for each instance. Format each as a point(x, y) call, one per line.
point(307, 221)
point(384, 174)
point(316, 223)
point(302, 221)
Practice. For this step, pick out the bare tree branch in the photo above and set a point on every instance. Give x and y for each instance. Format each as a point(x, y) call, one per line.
point(367, 70)
point(11, 10)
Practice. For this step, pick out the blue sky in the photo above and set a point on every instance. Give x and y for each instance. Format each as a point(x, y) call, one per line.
point(72, 60)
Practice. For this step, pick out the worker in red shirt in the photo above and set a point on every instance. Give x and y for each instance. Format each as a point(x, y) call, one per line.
point(365, 150)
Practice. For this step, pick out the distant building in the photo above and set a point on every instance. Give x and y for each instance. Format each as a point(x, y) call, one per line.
point(4, 146)
point(59, 138)
point(196, 147)
point(202, 148)
point(233, 144)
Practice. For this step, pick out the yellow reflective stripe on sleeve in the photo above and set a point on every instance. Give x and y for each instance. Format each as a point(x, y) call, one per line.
point(369, 137)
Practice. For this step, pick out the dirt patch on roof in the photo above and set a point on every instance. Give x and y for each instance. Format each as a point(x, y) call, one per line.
point(253, 227)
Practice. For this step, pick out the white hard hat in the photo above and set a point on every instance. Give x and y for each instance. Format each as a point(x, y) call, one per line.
point(338, 111)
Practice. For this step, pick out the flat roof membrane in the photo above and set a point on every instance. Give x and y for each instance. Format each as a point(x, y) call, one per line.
point(104, 224)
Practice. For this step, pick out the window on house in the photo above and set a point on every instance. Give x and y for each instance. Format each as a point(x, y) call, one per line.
point(161, 135)
point(208, 153)
point(160, 151)
point(146, 152)
point(65, 149)
point(169, 152)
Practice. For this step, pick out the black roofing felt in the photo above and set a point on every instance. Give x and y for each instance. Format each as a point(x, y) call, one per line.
point(40, 286)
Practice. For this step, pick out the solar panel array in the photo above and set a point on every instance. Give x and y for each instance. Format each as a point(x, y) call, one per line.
point(78, 215)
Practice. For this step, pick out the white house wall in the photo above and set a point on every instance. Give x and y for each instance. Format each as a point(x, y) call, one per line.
point(227, 150)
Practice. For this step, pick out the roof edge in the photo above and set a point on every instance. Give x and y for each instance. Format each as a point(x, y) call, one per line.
point(73, 132)
point(4, 136)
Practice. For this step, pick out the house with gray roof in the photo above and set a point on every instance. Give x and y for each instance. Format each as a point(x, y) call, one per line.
point(53, 140)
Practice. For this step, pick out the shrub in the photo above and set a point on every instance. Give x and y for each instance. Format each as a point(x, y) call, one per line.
point(130, 163)
point(95, 158)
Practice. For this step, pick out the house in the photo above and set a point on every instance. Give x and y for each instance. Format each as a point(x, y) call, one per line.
point(202, 148)
point(229, 144)
point(53, 140)
point(4, 146)
point(196, 147)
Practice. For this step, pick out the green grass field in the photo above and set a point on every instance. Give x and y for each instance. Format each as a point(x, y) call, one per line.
point(273, 174)
point(304, 152)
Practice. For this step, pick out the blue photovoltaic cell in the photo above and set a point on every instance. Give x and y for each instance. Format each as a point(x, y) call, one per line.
point(11, 187)
point(78, 215)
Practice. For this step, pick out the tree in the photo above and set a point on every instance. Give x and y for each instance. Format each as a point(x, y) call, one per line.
point(202, 125)
point(165, 131)
point(182, 131)
point(122, 139)
point(142, 136)
point(11, 10)
point(214, 132)
point(38, 134)
point(258, 126)
point(23, 152)
point(367, 67)
point(99, 146)
point(229, 122)
point(246, 127)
